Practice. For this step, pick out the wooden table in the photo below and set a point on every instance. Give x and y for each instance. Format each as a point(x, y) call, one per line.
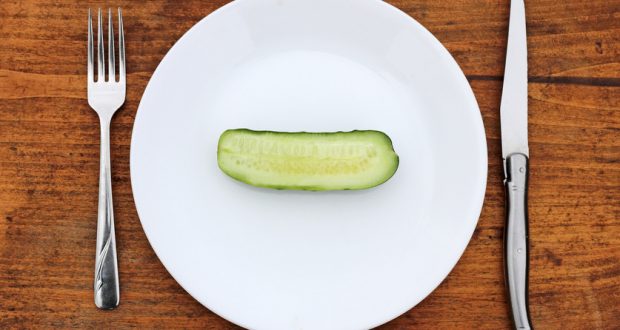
point(49, 151)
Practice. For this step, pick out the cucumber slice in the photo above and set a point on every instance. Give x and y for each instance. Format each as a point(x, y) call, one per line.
point(307, 161)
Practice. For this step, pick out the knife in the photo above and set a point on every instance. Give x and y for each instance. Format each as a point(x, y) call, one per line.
point(515, 154)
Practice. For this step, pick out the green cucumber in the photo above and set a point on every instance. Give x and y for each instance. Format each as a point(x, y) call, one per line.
point(307, 161)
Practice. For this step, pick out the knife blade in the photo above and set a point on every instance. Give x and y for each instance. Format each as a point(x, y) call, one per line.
point(515, 154)
point(513, 108)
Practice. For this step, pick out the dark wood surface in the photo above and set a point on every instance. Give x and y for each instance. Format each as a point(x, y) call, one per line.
point(49, 167)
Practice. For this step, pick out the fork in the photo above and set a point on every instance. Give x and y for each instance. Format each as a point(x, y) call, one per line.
point(105, 97)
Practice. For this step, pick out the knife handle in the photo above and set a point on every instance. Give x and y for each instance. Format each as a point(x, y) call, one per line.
point(516, 244)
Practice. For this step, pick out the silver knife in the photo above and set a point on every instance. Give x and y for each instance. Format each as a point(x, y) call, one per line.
point(515, 152)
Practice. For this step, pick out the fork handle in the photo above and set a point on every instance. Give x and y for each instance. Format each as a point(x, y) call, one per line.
point(516, 243)
point(107, 295)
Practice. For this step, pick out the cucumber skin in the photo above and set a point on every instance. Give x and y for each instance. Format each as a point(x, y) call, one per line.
point(248, 180)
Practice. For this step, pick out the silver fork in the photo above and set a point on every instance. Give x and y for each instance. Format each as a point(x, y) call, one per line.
point(105, 97)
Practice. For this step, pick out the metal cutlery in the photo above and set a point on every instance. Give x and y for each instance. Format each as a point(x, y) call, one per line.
point(105, 97)
point(515, 153)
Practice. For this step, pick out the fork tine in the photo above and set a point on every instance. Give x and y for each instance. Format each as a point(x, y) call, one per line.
point(100, 50)
point(111, 64)
point(90, 48)
point(121, 48)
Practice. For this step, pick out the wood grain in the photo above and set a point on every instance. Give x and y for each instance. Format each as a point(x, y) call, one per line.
point(49, 167)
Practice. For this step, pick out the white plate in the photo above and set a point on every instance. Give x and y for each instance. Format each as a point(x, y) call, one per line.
point(269, 259)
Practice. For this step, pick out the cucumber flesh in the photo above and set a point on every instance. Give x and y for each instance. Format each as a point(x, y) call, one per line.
point(307, 161)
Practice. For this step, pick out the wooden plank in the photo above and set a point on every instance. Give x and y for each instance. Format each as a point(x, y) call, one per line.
point(49, 165)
